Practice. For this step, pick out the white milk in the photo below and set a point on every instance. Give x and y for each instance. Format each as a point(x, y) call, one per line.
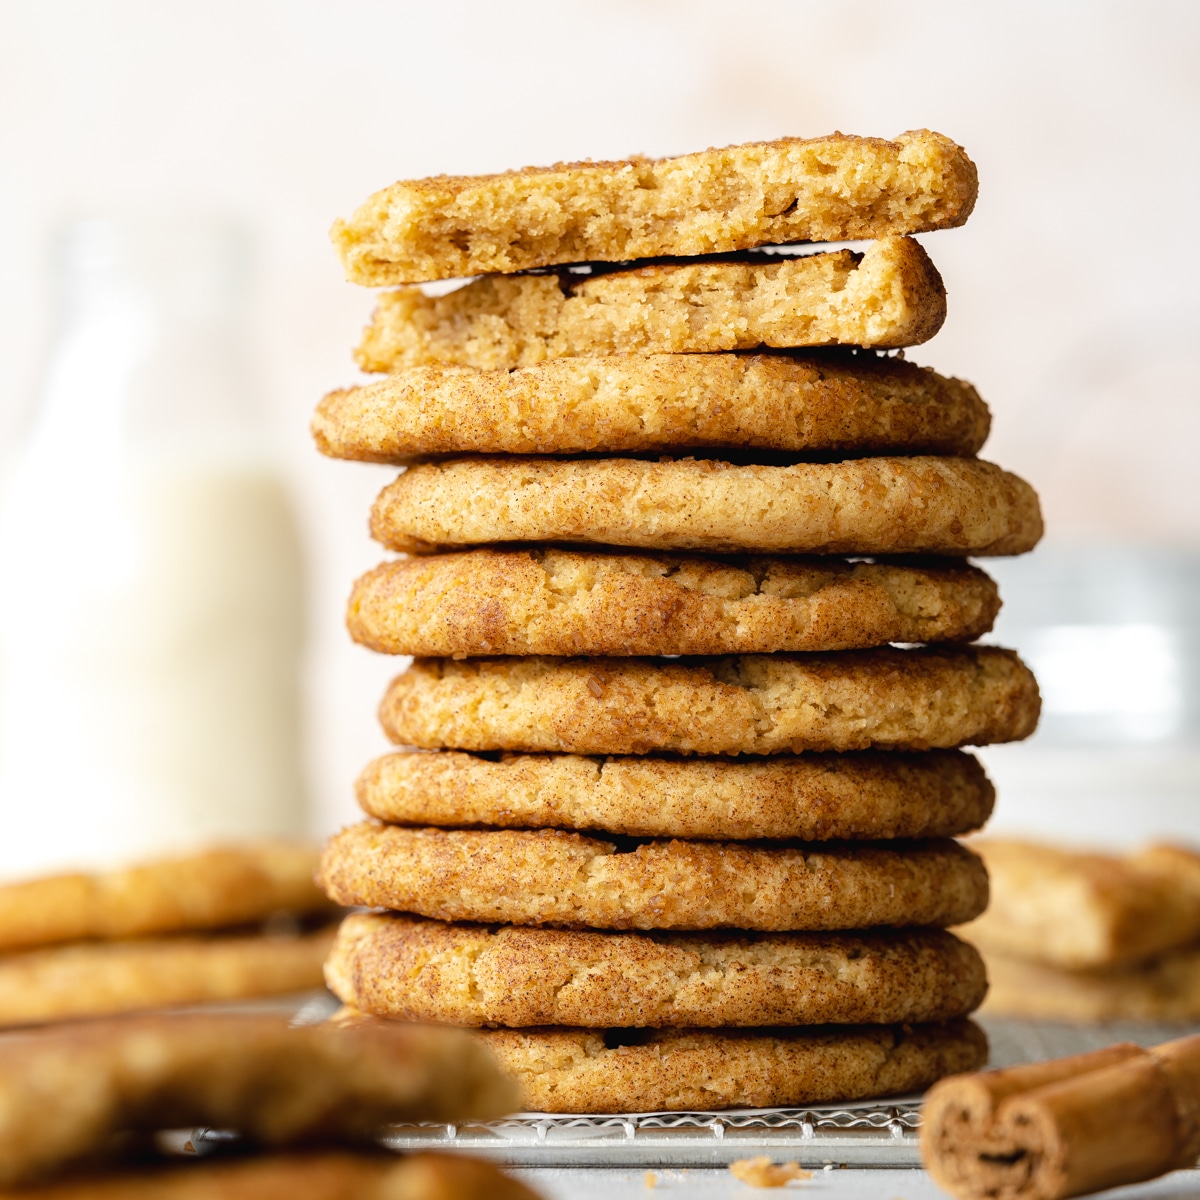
point(150, 581)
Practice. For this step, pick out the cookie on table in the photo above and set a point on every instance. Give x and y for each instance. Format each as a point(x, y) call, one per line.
point(922, 699)
point(417, 970)
point(558, 602)
point(1081, 910)
point(864, 506)
point(91, 979)
point(1166, 988)
point(276, 1084)
point(790, 190)
point(811, 797)
point(587, 1071)
point(226, 885)
point(888, 297)
point(549, 877)
point(315, 1175)
point(820, 403)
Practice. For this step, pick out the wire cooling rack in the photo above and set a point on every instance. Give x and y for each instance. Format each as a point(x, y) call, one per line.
point(871, 1134)
point(876, 1134)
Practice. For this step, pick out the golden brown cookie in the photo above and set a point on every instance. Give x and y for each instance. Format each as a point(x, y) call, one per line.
point(415, 970)
point(1076, 910)
point(917, 505)
point(276, 1084)
point(578, 1070)
point(322, 1175)
point(549, 877)
point(227, 885)
point(812, 797)
point(821, 403)
point(928, 698)
point(762, 193)
point(891, 296)
point(1165, 989)
point(547, 601)
point(93, 979)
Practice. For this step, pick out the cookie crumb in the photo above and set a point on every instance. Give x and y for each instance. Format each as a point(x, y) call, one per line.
point(650, 1179)
point(762, 1173)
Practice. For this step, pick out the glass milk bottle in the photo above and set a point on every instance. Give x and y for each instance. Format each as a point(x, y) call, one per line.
point(150, 573)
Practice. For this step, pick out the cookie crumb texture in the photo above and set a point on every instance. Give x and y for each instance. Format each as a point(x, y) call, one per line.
point(790, 190)
point(888, 297)
point(931, 698)
point(413, 970)
point(578, 1070)
point(550, 877)
point(631, 403)
point(563, 603)
point(920, 505)
point(813, 797)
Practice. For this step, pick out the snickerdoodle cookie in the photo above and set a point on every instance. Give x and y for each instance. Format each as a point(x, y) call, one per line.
point(583, 1070)
point(91, 979)
point(416, 970)
point(564, 602)
point(821, 403)
point(222, 886)
point(548, 877)
point(813, 797)
point(919, 505)
point(276, 1084)
point(888, 297)
point(923, 699)
point(762, 193)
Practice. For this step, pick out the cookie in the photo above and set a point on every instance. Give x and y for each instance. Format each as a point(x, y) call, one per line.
point(100, 978)
point(1073, 910)
point(812, 797)
point(866, 506)
point(565, 602)
point(822, 403)
point(229, 885)
point(414, 970)
point(888, 297)
point(585, 1071)
point(275, 1084)
point(929, 698)
point(323, 1175)
point(1165, 989)
point(790, 190)
point(550, 877)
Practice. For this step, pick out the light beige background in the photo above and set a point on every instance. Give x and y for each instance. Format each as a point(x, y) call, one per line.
point(1073, 290)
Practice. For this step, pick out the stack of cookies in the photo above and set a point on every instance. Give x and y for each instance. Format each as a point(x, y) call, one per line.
point(1091, 937)
point(674, 819)
point(229, 923)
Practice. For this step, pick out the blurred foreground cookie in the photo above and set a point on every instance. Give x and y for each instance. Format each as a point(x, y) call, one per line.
point(1075, 910)
point(228, 885)
point(65, 1093)
point(790, 190)
point(586, 1071)
point(323, 1175)
point(93, 979)
point(889, 297)
point(1166, 988)
point(561, 602)
point(812, 797)
point(930, 698)
point(860, 506)
point(550, 877)
point(414, 970)
point(630, 403)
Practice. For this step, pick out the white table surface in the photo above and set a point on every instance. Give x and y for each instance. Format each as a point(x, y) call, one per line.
point(582, 1183)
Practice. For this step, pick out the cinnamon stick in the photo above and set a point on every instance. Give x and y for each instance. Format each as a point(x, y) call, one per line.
point(1066, 1127)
